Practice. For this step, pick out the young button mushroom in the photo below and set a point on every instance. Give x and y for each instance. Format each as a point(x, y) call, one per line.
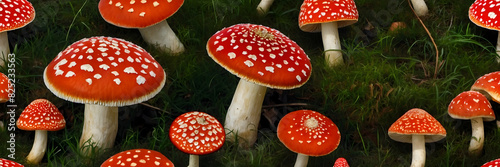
point(341, 162)
point(149, 16)
point(41, 116)
point(197, 133)
point(474, 106)
point(418, 127)
point(327, 16)
point(484, 14)
point(9, 163)
point(104, 73)
point(489, 86)
point(308, 133)
point(262, 57)
point(138, 158)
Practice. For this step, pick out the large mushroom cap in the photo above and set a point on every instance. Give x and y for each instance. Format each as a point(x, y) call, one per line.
point(41, 114)
point(489, 86)
point(314, 12)
point(15, 14)
point(138, 158)
point(494, 163)
point(106, 71)
point(469, 105)
point(308, 132)
point(485, 13)
point(137, 13)
point(416, 122)
point(261, 55)
point(197, 133)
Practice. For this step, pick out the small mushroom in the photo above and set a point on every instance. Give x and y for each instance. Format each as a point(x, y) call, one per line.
point(41, 116)
point(341, 162)
point(9, 163)
point(489, 86)
point(138, 158)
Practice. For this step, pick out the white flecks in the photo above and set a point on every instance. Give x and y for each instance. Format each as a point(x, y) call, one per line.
point(219, 48)
point(153, 74)
point(114, 73)
point(104, 66)
point(155, 3)
point(249, 63)
point(97, 76)
point(87, 67)
point(298, 78)
point(492, 15)
point(130, 59)
point(140, 80)
point(270, 69)
point(117, 81)
point(130, 70)
point(231, 55)
point(88, 80)
point(59, 72)
point(142, 14)
point(69, 74)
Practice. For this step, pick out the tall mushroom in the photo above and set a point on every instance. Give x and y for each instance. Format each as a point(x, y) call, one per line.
point(327, 16)
point(489, 86)
point(138, 158)
point(41, 116)
point(308, 133)
point(484, 14)
point(474, 106)
point(262, 57)
point(149, 16)
point(104, 73)
point(15, 14)
point(197, 133)
point(418, 127)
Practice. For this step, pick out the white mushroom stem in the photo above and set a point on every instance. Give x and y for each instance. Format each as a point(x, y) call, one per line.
point(498, 50)
point(302, 160)
point(477, 140)
point(194, 160)
point(163, 36)
point(420, 7)
point(39, 147)
point(99, 127)
point(418, 153)
point(4, 48)
point(264, 6)
point(243, 115)
point(331, 44)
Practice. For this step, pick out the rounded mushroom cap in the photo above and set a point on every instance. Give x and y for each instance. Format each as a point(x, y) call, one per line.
point(494, 163)
point(137, 13)
point(261, 55)
point(9, 163)
point(106, 71)
point(15, 14)
point(484, 13)
point(5, 87)
point(471, 104)
point(197, 133)
point(41, 114)
point(489, 86)
point(314, 12)
point(416, 122)
point(138, 158)
point(308, 132)
point(341, 162)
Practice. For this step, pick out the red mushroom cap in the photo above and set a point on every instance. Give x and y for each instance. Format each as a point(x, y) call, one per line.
point(261, 55)
point(197, 133)
point(15, 14)
point(5, 85)
point(314, 12)
point(341, 162)
point(41, 114)
point(9, 163)
point(489, 86)
point(471, 104)
point(308, 132)
point(494, 163)
point(137, 13)
point(416, 122)
point(104, 70)
point(484, 13)
point(138, 158)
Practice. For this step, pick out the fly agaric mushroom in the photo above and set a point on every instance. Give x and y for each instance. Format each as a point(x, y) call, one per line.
point(327, 16)
point(308, 133)
point(341, 162)
point(494, 163)
point(420, 7)
point(264, 6)
point(197, 133)
point(15, 14)
point(104, 73)
point(41, 116)
point(262, 57)
point(5, 88)
point(9, 163)
point(418, 127)
point(474, 106)
point(149, 16)
point(138, 158)
point(484, 14)
point(489, 86)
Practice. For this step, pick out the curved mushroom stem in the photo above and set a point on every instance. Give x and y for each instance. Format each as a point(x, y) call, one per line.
point(99, 127)
point(4, 48)
point(418, 153)
point(163, 36)
point(477, 140)
point(194, 160)
point(243, 115)
point(39, 147)
point(302, 160)
point(331, 43)
point(264, 6)
point(420, 7)
point(498, 48)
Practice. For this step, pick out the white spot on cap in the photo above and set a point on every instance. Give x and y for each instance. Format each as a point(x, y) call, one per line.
point(117, 81)
point(88, 80)
point(142, 14)
point(114, 73)
point(231, 55)
point(129, 70)
point(248, 63)
point(270, 69)
point(87, 67)
point(104, 66)
point(97, 76)
point(69, 74)
point(153, 74)
point(140, 80)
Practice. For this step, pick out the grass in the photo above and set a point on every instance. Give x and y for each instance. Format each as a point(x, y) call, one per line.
point(385, 75)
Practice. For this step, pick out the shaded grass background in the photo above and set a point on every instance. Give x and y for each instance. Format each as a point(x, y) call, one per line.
point(385, 75)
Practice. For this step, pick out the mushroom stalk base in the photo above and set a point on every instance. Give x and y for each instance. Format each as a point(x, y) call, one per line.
point(264, 6)
point(163, 36)
point(420, 7)
point(4, 48)
point(477, 140)
point(39, 147)
point(243, 115)
point(99, 127)
point(418, 153)
point(302, 160)
point(194, 160)
point(331, 43)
